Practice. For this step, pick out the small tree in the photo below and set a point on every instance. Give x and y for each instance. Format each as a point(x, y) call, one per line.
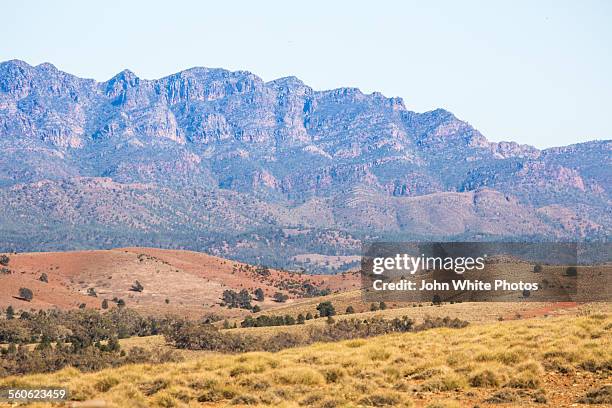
point(137, 287)
point(308, 316)
point(105, 304)
point(120, 303)
point(44, 278)
point(373, 307)
point(537, 268)
point(26, 294)
point(350, 310)
point(571, 271)
point(10, 313)
point(326, 309)
point(436, 300)
point(300, 319)
point(526, 293)
point(92, 292)
point(82, 306)
point(259, 294)
point(280, 297)
point(226, 324)
point(4, 260)
point(382, 306)
point(113, 344)
point(256, 309)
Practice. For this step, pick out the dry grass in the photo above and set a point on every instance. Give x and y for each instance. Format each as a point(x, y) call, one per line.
point(514, 361)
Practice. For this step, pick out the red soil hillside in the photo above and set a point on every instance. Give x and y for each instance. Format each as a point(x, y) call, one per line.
point(174, 281)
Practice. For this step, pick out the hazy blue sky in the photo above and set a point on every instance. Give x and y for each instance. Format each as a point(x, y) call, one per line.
point(537, 72)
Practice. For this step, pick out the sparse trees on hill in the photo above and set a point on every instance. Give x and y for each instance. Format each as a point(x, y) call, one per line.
point(26, 294)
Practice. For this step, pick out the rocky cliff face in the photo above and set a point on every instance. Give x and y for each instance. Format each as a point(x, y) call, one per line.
point(280, 154)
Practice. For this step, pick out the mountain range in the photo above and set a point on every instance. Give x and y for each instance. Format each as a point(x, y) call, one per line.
point(270, 172)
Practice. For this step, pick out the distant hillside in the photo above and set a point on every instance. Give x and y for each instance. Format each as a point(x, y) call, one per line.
point(175, 282)
point(266, 172)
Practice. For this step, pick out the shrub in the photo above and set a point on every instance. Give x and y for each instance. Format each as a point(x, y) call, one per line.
point(44, 278)
point(280, 297)
point(537, 268)
point(10, 313)
point(484, 378)
point(137, 287)
point(350, 310)
point(382, 306)
point(381, 400)
point(259, 294)
point(26, 294)
point(571, 271)
point(326, 309)
point(105, 304)
point(602, 395)
point(4, 260)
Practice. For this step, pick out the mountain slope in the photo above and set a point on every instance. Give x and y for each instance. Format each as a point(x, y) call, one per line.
point(209, 159)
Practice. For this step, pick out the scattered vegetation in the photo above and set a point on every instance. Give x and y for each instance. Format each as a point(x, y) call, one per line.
point(197, 336)
point(489, 363)
point(85, 339)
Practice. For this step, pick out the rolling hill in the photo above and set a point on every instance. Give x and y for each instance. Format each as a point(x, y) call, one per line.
point(175, 282)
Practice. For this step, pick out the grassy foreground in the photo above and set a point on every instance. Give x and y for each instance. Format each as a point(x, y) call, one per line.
point(537, 362)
